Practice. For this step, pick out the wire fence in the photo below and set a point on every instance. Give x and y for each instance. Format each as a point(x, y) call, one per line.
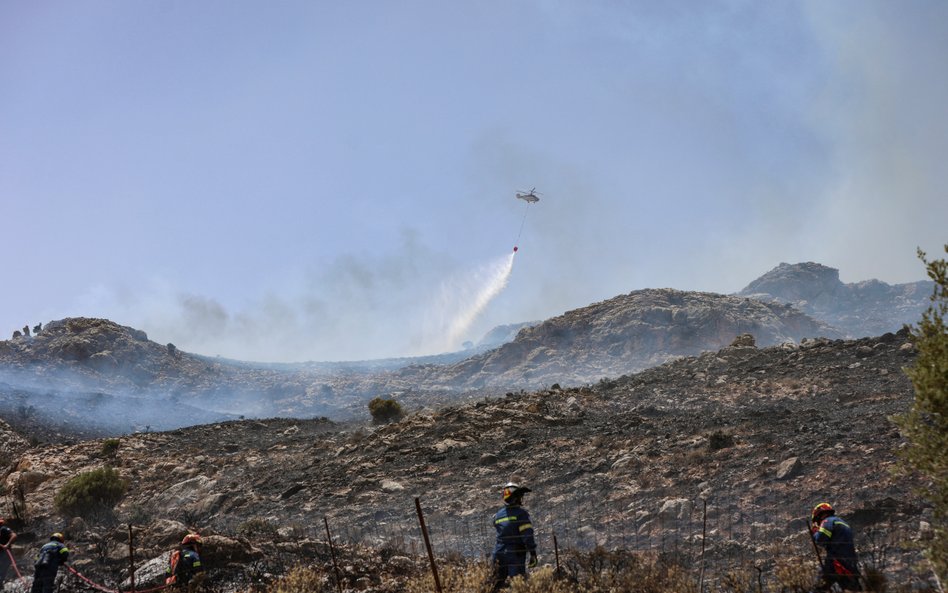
point(718, 535)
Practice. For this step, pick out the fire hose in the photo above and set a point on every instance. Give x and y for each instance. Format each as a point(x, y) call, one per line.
point(99, 587)
point(82, 577)
point(15, 568)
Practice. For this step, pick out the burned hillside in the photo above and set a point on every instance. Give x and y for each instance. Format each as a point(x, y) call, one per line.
point(758, 434)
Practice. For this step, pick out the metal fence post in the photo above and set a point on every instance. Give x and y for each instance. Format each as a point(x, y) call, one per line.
point(424, 533)
point(131, 557)
point(332, 552)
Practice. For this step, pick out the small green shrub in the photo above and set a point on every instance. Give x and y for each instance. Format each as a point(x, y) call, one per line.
point(385, 410)
point(90, 492)
point(109, 447)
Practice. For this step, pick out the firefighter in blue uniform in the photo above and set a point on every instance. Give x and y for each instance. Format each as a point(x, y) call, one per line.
point(514, 537)
point(840, 565)
point(185, 571)
point(7, 537)
point(50, 557)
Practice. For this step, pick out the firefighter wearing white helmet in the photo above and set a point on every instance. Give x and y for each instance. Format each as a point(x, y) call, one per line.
point(514, 537)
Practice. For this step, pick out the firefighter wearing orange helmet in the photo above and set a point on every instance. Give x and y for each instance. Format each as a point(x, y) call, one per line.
point(840, 565)
point(185, 571)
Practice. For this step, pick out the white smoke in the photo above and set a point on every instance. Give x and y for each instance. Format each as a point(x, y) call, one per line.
point(461, 300)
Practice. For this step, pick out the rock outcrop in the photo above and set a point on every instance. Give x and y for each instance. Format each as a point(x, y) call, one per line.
point(861, 309)
point(625, 334)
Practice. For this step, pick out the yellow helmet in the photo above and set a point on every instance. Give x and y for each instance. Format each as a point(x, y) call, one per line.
point(58, 537)
point(824, 508)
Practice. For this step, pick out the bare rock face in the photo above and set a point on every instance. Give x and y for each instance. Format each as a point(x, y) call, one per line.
point(867, 308)
point(11, 445)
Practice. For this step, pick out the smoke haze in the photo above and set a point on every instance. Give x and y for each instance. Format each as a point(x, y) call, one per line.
point(302, 182)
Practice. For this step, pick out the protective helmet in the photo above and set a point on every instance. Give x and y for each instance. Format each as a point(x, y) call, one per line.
point(192, 538)
point(824, 508)
point(58, 537)
point(513, 492)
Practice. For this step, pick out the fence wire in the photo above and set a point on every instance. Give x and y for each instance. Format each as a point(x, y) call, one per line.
point(722, 535)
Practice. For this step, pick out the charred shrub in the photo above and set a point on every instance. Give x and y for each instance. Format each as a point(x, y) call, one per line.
point(385, 410)
point(90, 493)
point(720, 440)
point(257, 528)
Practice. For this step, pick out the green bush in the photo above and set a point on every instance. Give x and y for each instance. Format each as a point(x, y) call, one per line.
point(925, 426)
point(109, 447)
point(90, 492)
point(385, 410)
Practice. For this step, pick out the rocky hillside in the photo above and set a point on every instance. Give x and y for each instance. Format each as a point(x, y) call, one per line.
point(88, 376)
point(93, 376)
point(868, 308)
point(622, 335)
point(760, 434)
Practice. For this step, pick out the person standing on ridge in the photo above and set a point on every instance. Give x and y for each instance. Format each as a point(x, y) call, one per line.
point(7, 537)
point(50, 557)
point(840, 565)
point(514, 537)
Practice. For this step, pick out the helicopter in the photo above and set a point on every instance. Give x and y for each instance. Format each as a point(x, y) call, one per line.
point(528, 196)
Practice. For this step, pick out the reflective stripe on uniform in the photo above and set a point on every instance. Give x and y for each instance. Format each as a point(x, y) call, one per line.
point(504, 520)
point(526, 526)
point(826, 531)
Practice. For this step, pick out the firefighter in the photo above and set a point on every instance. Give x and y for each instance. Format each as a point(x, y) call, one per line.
point(514, 537)
point(835, 535)
point(53, 554)
point(7, 537)
point(185, 572)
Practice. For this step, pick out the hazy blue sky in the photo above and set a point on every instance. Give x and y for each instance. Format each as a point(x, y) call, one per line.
point(294, 180)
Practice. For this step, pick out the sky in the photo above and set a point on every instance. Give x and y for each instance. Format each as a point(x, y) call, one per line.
point(314, 180)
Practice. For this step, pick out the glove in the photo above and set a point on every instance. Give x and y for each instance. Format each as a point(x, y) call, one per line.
point(533, 560)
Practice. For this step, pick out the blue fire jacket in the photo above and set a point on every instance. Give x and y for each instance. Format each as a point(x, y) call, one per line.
point(836, 536)
point(514, 531)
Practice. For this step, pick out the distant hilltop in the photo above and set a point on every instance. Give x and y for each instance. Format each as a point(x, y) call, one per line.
point(862, 309)
point(106, 377)
point(623, 335)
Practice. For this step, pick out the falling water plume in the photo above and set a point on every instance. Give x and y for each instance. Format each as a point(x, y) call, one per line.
point(461, 300)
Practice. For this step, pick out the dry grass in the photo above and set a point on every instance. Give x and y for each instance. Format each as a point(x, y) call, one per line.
point(464, 578)
point(303, 578)
point(597, 571)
